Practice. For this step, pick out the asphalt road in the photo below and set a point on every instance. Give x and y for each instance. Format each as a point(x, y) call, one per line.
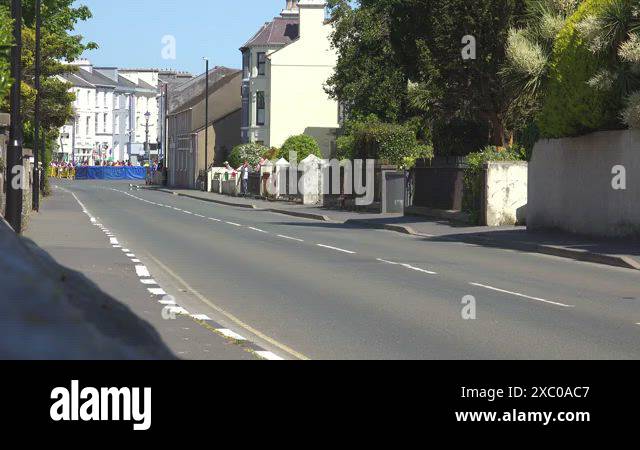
point(306, 289)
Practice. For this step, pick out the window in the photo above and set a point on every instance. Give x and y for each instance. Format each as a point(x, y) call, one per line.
point(246, 64)
point(96, 103)
point(104, 124)
point(260, 108)
point(77, 124)
point(96, 124)
point(117, 124)
point(262, 61)
point(88, 128)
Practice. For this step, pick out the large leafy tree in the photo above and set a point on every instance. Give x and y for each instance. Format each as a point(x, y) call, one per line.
point(59, 45)
point(427, 41)
point(367, 78)
point(5, 48)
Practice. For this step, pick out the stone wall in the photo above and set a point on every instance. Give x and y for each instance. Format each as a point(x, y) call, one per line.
point(571, 185)
point(505, 193)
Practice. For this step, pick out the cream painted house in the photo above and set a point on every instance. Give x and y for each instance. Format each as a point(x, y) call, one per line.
point(286, 66)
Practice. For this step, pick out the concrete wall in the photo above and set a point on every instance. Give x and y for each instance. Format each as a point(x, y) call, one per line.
point(570, 185)
point(505, 193)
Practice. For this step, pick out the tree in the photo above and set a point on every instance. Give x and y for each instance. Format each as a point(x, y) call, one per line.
point(59, 45)
point(428, 40)
point(6, 40)
point(302, 145)
point(367, 79)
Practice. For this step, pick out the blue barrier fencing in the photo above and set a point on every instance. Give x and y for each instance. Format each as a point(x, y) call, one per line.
point(111, 173)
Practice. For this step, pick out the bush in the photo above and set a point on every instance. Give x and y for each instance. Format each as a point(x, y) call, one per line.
point(389, 143)
point(303, 145)
point(246, 152)
point(271, 153)
point(572, 106)
point(473, 180)
point(345, 148)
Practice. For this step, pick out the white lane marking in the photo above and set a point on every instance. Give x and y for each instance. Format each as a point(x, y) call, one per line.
point(117, 246)
point(177, 209)
point(131, 255)
point(258, 230)
point(157, 291)
point(290, 238)
point(135, 261)
point(336, 249)
point(418, 269)
point(142, 271)
point(148, 281)
point(126, 250)
point(269, 356)
point(188, 212)
point(231, 334)
point(166, 302)
point(199, 215)
point(388, 262)
point(214, 219)
point(93, 220)
point(234, 224)
point(178, 310)
point(201, 317)
point(517, 294)
point(113, 241)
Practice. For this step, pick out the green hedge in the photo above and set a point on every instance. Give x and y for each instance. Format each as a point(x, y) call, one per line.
point(303, 145)
point(389, 143)
point(571, 107)
point(246, 152)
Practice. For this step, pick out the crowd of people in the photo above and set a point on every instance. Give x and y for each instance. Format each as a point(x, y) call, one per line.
point(66, 169)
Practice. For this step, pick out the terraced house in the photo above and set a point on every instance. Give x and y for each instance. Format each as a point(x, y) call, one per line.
point(285, 67)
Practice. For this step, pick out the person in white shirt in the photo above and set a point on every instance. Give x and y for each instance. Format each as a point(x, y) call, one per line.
point(244, 177)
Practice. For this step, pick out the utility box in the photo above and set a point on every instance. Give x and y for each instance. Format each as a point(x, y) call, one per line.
point(393, 191)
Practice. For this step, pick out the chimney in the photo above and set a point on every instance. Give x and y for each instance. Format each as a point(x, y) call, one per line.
point(291, 9)
point(312, 17)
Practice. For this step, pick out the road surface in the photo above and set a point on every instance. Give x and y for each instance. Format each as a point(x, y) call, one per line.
point(302, 289)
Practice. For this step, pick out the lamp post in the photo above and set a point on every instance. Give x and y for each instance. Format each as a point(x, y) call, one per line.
point(14, 151)
point(35, 189)
point(206, 127)
point(147, 150)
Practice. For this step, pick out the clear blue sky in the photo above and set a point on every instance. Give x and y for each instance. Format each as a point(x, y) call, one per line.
point(129, 32)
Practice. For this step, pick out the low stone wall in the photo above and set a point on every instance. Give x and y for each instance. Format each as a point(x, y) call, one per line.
point(571, 185)
point(505, 193)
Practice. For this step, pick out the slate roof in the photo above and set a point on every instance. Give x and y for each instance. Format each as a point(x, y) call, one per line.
point(280, 31)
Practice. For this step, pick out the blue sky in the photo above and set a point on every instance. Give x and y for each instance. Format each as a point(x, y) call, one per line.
point(130, 32)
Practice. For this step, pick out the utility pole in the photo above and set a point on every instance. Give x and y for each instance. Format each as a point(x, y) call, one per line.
point(206, 128)
point(147, 150)
point(35, 190)
point(14, 150)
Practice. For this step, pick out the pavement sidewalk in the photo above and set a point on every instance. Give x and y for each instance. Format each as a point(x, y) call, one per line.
point(620, 253)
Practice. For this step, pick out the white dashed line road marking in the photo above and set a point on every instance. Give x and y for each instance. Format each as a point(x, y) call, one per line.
point(157, 291)
point(336, 249)
point(258, 230)
point(135, 261)
point(231, 334)
point(203, 317)
point(148, 281)
point(290, 238)
point(388, 262)
point(113, 241)
point(517, 294)
point(269, 356)
point(234, 224)
point(126, 250)
point(418, 269)
point(199, 215)
point(131, 255)
point(188, 212)
point(214, 219)
point(142, 271)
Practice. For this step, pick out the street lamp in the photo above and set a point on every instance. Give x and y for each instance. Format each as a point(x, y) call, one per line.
point(35, 200)
point(147, 115)
point(206, 127)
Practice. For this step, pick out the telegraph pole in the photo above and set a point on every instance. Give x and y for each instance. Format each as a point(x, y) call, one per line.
point(35, 190)
point(206, 128)
point(14, 151)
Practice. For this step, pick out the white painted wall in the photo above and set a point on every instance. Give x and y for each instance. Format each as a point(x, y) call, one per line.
point(298, 73)
point(506, 193)
point(570, 185)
